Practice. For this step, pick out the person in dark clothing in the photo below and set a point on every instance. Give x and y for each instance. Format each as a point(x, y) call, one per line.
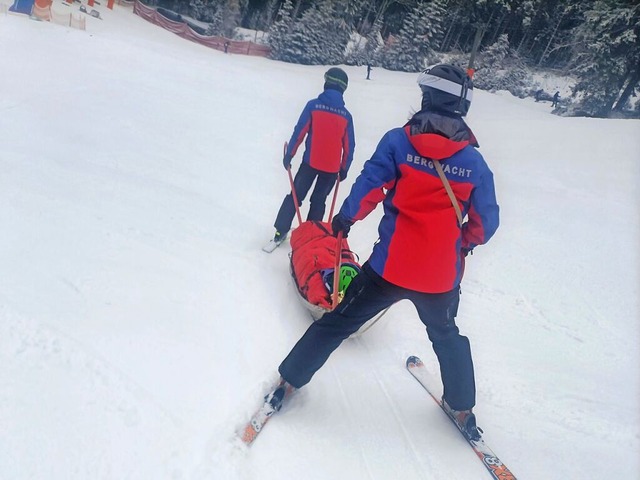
point(369, 68)
point(330, 141)
point(556, 99)
point(538, 95)
point(422, 243)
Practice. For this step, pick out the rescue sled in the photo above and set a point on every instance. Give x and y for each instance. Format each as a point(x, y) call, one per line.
point(315, 256)
point(313, 263)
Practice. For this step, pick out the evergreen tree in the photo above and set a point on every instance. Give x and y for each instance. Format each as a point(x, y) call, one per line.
point(471, 24)
point(202, 10)
point(232, 13)
point(279, 31)
point(374, 43)
point(500, 68)
point(262, 18)
point(319, 37)
point(365, 50)
point(414, 47)
point(215, 23)
point(607, 56)
point(495, 55)
point(352, 11)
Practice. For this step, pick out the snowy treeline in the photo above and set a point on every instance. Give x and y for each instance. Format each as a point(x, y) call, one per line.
point(595, 41)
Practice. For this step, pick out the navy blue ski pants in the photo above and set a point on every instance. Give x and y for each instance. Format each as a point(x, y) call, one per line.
point(302, 184)
point(369, 294)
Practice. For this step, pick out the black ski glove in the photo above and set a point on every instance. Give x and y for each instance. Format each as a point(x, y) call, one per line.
point(286, 161)
point(340, 223)
point(343, 175)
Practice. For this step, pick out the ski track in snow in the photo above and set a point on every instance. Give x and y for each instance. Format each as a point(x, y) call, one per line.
point(348, 405)
point(41, 364)
point(420, 458)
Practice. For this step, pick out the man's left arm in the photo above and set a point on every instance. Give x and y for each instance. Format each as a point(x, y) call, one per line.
point(483, 216)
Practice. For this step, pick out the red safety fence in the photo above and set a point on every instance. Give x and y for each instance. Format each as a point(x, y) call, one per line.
point(185, 31)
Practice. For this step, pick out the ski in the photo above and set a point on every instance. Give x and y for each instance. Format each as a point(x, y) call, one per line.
point(496, 468)
point(272, 403)
point(259, 419)
point(272, 245)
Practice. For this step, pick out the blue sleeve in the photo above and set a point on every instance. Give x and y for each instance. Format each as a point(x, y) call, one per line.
point(378, 173)
point(351, 145)
point(300, 130)
point(483, 217)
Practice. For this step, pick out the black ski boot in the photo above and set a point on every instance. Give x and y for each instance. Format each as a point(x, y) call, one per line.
point(278, 396)
point(465, 420)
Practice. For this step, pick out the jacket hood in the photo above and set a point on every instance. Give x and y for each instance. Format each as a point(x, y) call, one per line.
point(438, 135)
point(331, 97)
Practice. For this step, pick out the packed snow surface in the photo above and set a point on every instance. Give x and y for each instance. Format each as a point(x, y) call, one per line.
point(141, 324)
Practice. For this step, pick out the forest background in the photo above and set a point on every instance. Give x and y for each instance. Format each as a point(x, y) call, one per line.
point(595, 42)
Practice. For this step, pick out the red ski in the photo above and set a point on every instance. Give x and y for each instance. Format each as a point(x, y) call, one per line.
point(272, 403)
point(490, 460)
point(259, 419)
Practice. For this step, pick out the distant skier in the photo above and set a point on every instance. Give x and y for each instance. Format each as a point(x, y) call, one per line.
point(423, 243)
point(556, 98)
point(226, 46)
point(330, 141)
point(369, 68)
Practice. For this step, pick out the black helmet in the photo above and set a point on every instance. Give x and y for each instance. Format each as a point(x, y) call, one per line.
point(446, 88)
point(336, 78)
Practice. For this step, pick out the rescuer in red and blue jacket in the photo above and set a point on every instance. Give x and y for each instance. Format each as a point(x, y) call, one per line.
point(330, 141)
point(422, 246)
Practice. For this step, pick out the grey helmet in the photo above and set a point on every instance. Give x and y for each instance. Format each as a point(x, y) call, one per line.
point(446, 88)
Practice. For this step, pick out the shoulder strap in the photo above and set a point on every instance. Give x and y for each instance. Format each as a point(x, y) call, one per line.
point(447, 187)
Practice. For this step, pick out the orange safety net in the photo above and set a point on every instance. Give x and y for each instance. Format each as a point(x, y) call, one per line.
point(183, 30)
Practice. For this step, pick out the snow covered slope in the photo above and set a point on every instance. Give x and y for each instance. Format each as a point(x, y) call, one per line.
point(140, 322)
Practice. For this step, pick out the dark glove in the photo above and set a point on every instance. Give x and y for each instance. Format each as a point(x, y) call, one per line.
point(286, 161)
point(340, 223)
point(343, 175)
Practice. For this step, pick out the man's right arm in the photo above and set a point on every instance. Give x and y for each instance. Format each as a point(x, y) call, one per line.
point(378, 175)
point(300, 131)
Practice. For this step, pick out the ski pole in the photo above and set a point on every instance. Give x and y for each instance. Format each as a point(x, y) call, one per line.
point(375, 320)
point(293, 188)
point(336, 272)
point(295, 197)
point(335, 196)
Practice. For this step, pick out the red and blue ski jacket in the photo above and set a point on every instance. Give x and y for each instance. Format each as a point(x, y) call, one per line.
point(330, 138)
point(421, 243)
